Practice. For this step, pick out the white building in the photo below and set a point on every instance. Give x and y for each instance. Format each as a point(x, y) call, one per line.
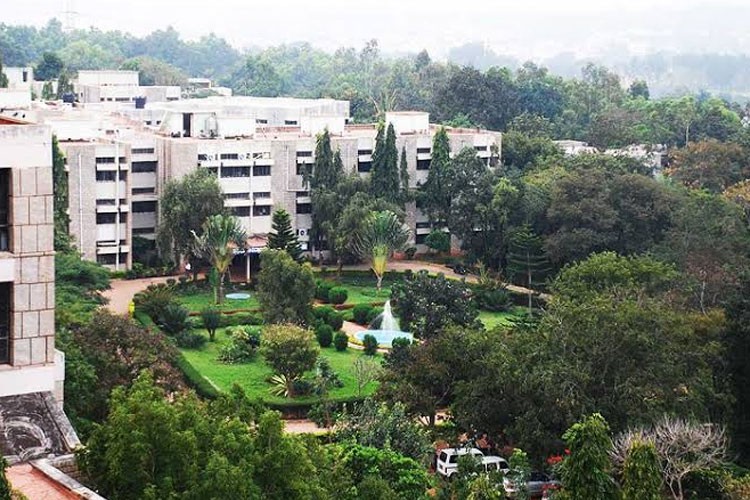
point(118, 87)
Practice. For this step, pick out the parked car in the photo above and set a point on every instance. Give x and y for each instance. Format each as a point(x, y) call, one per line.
point(537, 484)
point(495, 464)
point(447, 462)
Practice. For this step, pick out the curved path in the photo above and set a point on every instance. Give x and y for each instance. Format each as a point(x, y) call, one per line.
point(122, 291)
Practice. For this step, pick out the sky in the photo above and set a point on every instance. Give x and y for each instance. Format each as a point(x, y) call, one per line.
point(524, 29)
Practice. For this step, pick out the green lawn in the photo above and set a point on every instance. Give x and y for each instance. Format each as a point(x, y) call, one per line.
point(252, 376)
point(196, 301)
point(506, 318)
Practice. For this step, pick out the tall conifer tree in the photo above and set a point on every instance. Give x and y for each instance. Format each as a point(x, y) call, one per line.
point(282, 235)
point(435, 194)
point(384, 176)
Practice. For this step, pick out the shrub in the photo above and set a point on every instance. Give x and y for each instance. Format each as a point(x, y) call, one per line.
point(361, 314)
point(371, 344)
point(243, 345)
point(324, 334)
point(190, 340)
point(174, 319)
point(240, 319)
point(400, 343)
point(330, 316)
point(322, 414)
point(493, 299)
point(211, 318)
point(302, 387)
point(338, 295)
point(154, 299)
point(410, 252)
point(376, 311)
point(340, 341)
point(322, 289)
point(438, 241)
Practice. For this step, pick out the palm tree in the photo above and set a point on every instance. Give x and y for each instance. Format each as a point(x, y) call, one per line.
point(382, 234)
point(222, 234)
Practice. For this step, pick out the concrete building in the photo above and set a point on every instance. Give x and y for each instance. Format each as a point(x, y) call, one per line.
point(118, 87)
point(259, 148)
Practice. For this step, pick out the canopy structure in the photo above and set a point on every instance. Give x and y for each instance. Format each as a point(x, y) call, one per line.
point(255, 244)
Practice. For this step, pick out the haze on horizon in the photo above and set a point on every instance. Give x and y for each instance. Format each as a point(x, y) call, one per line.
point(534, 29)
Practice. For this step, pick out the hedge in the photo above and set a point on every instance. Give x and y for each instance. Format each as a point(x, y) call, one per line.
point(203, 387)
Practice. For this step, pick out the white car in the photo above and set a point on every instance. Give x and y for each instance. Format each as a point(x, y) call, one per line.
point(447, 462)
point(495, 464)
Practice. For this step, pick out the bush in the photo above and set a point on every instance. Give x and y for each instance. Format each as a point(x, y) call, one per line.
point(243, 345)
point(400, 343)
point(438, 241)
point(376, 311)
point(495, 299)
point(324, 334)
point(338, 295)
point(371, 344)
point(329, 316)
point(410, 252)
point(174, 319)
point(154, 299)
point(322, 289)
point(240, 319)
point(211, 319)
point(361, 314)
point(323, 414)
point(302, 387)
point(190, 340)
point(340, 341)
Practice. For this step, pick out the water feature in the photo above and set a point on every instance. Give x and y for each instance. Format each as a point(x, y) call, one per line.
point(384, 328)
point(237, 296)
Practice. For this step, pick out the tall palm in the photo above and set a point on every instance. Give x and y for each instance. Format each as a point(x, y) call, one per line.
point(222, 234)
point(382, 234)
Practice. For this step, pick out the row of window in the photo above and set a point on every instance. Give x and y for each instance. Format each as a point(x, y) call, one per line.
point(144, 190)
point(109, 218)
point(108, 159)
point(142, 151)
point(262, 155)
point(109, 259)
point(258, 211)
point(143, 166)
point(246, 196)
point(110, 175)
point(143, 230)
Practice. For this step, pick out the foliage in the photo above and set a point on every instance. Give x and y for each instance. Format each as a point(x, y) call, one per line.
point(324, 334)
point(220, 236)
point(155, 72)
point(189, 339)
point(340, 341)
point(425, 304)
point(289, 350)
point(435, 194)
point(385, 427)
point(173, 319)
point(211, 318)
point(710, 165)
point(361, 313)
point(382, 234)
point(60, 199)
point(586, 472)
point(641, 473)
point(337, 295)
point(5, 492)
point(243, 345)
point(489, 293)
point(285, 288)
point(365, 371)
point(322, 289)
point(329, 316)
point(184, 206)
point(737, 342)
point(438, 241)
point(384, 175)
point(78, 284)
point(527, 262)
point(154, 299)
point(520, 468)
point(282, 236)
point(371, 345)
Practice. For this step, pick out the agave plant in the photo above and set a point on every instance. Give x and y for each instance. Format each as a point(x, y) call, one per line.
point(383, 233)
point(280, 386)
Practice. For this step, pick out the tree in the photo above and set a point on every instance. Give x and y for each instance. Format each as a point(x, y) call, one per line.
point(737, 342)
point(586, 473)
point(48, 92)
point(290, 351)
point(155, 72)
point(710, 165)
point(406, 477)
point(211, 318)
point(60, 198)
point(382, 234)
point(641, 473)
point(435, 193)
point(285, 288)
point(384, 175)
point(326, 174)
point(403, 175)
point(365, 371)
point(425, 304)
point(3, 76)
point(221, 235)
point(49, 68)
point(438, 241)
point(282, 236)
point(5, 491)
point(64, 85)
point(526, 259)
point(185, 206)
point(639, 88)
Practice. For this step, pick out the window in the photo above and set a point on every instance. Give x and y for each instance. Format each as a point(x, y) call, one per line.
point(480, 148)
point(261, 170)
point(261, 121)
point(140, 207)
point(422, 151)
point(304, 208)
point(423, 225)
point(144, 190)
point(423, 164)
point(364, 166)
point(261, 210)
point(5, 295)
point(230, 156)
point(235, 171)
point(262, 194)
point(144, 230)
point(106, 202)
point(421, 239)
point(236, 196)
point(303, 169)
point(362, 152)
point(303, 194)
point(105, 218)
point(142, 151)
point(241, 211)
point(304, 154)
point(143, 166)
point(106, 259)
point(105, 176)
point(5, 210)
point(123, 175)
point(105, 159)
point(290, 122)
point(202, 157)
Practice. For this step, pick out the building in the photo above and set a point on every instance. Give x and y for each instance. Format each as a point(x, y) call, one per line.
point(119, 87)
point(259, 148)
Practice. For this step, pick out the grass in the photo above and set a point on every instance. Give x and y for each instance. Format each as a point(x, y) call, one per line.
point(252, 376)
point(492, 319)
point(197, 300)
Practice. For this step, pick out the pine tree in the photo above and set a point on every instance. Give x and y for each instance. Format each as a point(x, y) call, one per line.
point(282, 236)
point(384, 176)
point(326, 173)
point(3, 76)
point(403, 173)
point(436, 191)
point(47, 91)
point(63, 85)
point(526, 259)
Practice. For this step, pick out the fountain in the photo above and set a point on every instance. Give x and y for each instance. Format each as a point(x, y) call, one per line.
point(387, 330)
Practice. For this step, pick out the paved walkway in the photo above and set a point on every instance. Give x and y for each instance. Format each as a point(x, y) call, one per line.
point(122, 292)
point(35, 485)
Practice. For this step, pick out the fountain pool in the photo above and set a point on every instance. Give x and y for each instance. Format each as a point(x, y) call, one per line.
point(388, 330)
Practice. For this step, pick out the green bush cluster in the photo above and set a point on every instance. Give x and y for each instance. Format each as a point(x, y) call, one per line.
point(324, 334)
point(340, 341)
point(322, 288)
point(371, 344)
point(363, 314)
point(190, 340)
point(338, 295)
point(329, 316)
point(243, 345)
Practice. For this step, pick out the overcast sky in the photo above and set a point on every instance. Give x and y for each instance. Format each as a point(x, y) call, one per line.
point(523, 28)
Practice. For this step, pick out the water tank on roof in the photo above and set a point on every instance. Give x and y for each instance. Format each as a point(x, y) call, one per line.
point(140, 102)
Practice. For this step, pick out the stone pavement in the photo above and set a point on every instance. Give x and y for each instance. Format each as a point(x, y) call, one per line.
point(35, 485)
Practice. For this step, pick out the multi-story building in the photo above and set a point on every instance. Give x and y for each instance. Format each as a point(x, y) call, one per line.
point(29, 362)
point(258, 148)
point(119, 87)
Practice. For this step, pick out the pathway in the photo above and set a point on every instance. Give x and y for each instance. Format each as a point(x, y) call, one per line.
point(122, 292)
